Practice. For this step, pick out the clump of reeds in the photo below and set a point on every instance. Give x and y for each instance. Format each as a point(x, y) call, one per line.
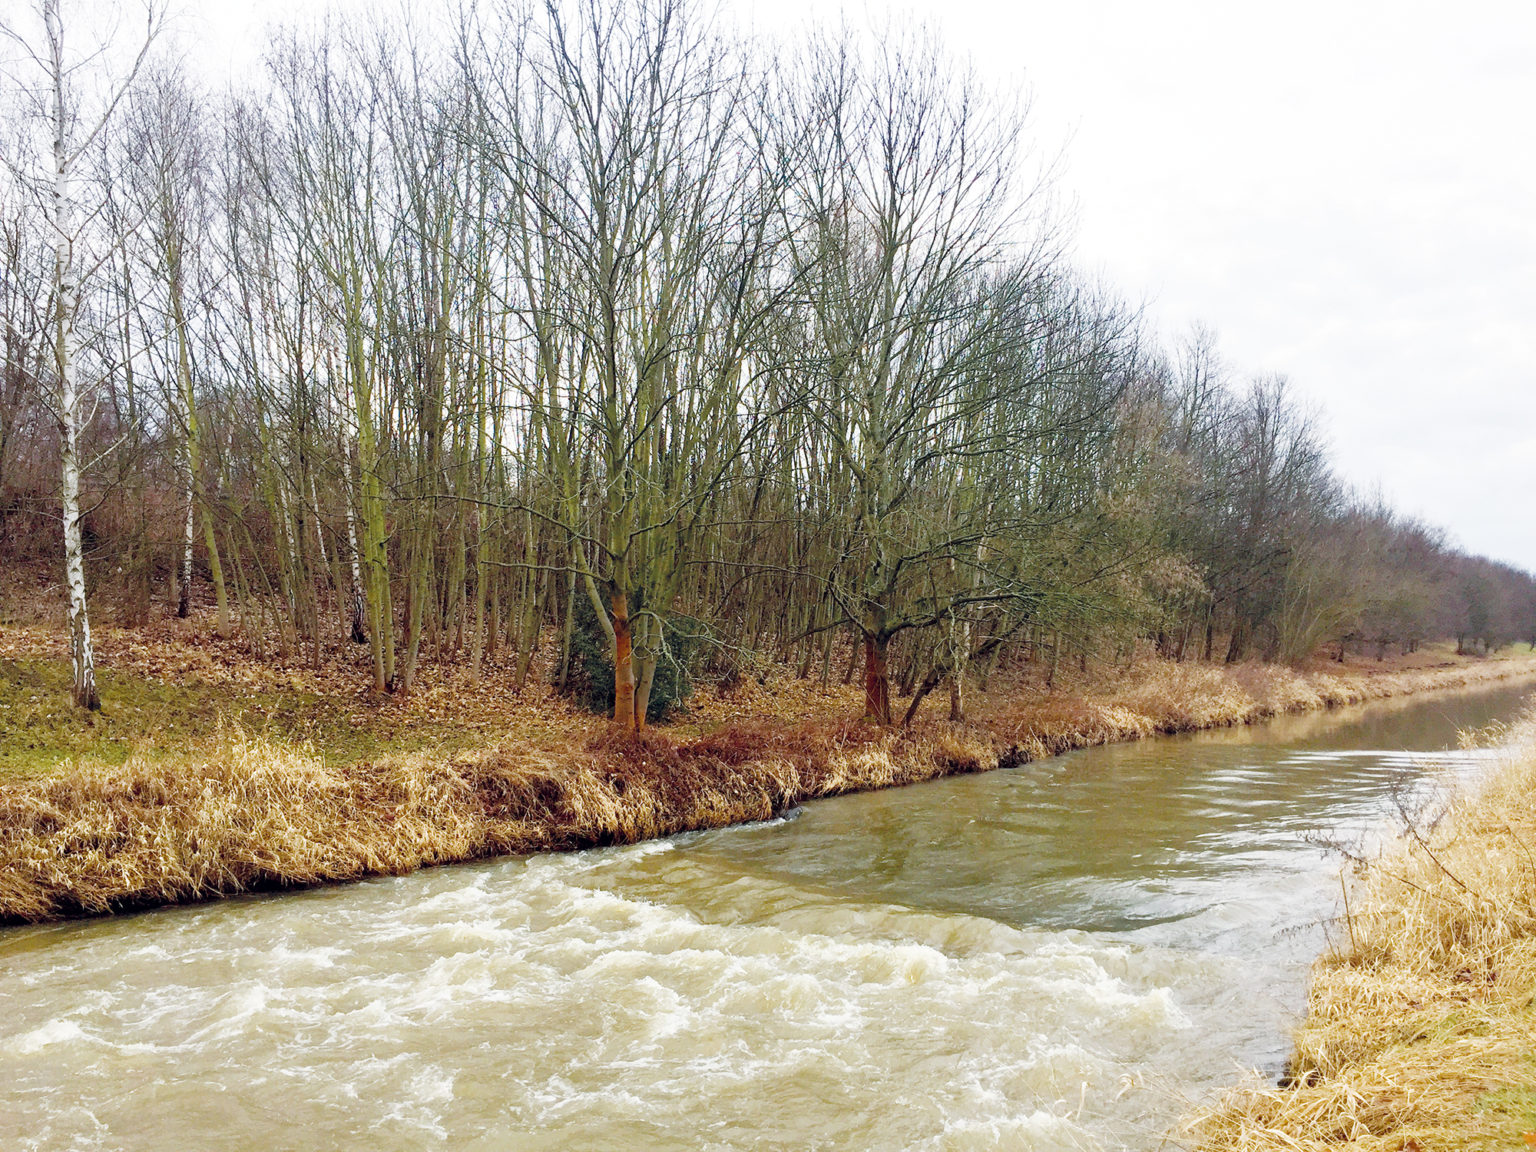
point(1421, 1029)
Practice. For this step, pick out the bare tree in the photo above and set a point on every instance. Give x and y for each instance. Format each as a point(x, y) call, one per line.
point(645, 196)
point(72, 116)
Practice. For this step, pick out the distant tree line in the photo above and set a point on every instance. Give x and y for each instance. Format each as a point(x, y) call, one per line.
point(445, 337)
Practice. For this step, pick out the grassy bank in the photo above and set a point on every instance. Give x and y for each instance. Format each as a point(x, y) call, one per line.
point(1421, 1027)
point(226, 809)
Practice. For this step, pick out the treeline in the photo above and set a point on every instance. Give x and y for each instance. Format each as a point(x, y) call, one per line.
point(594, 314)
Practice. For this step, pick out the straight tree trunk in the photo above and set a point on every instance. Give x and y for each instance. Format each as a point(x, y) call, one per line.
point(567, 627)
point(482, 575)
point(645, 667)
point(357, 607)
point(623, 665)
point(66, 298)
point(184, 568)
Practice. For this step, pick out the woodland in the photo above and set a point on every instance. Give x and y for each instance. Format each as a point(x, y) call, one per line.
point(601, 325)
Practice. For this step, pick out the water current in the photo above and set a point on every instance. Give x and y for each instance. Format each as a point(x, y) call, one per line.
point(1061, 956)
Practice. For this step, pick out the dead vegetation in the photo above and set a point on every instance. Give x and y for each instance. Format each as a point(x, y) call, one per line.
point(242, 815)
point(1420, 1025)
point(178, 817)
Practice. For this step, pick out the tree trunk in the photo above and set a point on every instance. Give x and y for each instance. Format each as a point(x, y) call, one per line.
point(645, 669)
point(930, 682)
point(82, 656)
point(567, 628)
point(66, 289)
point(853, 656)
point(623, 665)
point(877, 684)
point(1238, 645)
point(358, 606)
point(184, 569)
point(482, 575)
point(532, 617)
point(216, 572)
point(418, 587)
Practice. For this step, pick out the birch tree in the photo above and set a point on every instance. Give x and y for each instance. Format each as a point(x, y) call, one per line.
point(73, 98)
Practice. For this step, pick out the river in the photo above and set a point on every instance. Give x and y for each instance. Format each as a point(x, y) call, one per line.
point(1060, 956)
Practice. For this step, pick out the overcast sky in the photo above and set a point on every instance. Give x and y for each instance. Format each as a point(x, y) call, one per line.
point(1344, 192)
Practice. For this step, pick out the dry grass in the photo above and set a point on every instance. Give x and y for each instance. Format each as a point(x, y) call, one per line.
point(1158, 696)
point(1421, 1029)
point(178, 821)
point(242, 814)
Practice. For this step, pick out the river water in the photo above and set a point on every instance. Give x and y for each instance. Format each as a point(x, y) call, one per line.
point(1061, 956)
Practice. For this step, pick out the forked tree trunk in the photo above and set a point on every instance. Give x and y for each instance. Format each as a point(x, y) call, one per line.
point(1237, 647)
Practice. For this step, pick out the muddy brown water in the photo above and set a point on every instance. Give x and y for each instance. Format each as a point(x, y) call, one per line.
point(1061, 956)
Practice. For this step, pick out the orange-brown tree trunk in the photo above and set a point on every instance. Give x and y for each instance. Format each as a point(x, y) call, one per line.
point(623, 666)
point(877, 684)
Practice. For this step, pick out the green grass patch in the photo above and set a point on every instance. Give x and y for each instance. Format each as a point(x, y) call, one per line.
point(40, 729)
point(1514, 1110)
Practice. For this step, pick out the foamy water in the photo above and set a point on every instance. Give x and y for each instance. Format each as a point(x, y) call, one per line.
point(893, 971)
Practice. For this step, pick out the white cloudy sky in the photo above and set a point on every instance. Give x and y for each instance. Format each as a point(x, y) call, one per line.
point(1345, 192)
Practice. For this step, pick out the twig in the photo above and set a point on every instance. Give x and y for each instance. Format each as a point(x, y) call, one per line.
point(1349, 920)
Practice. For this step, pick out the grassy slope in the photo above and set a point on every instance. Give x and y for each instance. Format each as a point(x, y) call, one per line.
point(1421, 1029)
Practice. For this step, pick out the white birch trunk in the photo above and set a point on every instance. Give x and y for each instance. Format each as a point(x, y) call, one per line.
point(314, 508)
point(62, 218)
point(184, 601)
point(359, 605)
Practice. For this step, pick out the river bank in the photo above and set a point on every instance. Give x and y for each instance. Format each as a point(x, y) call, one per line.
point(1421, 1017)
point(228, 812)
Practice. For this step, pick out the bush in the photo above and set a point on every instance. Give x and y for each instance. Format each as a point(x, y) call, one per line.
point(590, 678)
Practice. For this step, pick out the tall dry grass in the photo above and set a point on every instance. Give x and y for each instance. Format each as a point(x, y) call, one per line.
point(1421, 1028)
point(238, 814)
point(1188, 697)
point(243, 815)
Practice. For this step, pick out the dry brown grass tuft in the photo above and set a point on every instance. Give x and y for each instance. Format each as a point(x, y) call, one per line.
point(1421, 1030)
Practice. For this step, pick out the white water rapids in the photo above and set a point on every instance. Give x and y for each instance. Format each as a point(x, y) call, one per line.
point(1060, 957)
